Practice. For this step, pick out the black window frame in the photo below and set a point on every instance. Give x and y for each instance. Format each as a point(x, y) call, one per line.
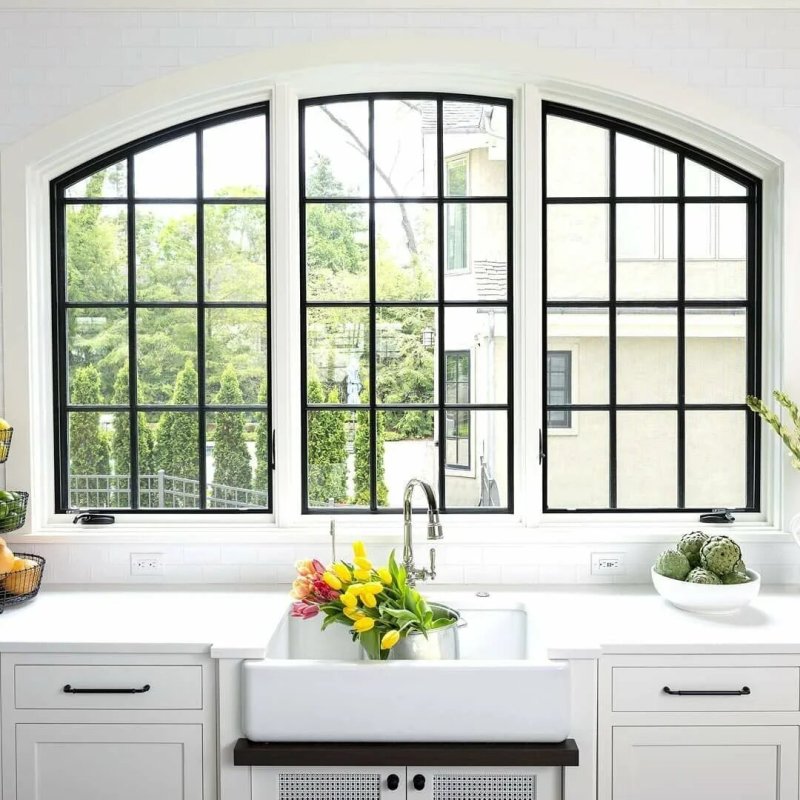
point(457, 415)
point(60, 306)
point(457, 220)
point(439, 406)
point(752, 305)
point(553, 421)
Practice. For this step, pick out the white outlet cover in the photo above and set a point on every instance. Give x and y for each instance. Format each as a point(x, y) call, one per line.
point(147, 563)
point(608, 563)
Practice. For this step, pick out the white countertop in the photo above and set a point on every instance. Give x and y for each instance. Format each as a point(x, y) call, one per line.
point(231, 622)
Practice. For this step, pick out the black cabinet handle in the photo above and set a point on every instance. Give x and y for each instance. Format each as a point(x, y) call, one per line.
point(393, 781)
point(707, 692)
point(71, 690)
point(418, 782)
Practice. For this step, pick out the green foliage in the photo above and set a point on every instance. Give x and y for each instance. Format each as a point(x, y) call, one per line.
point(791, 438)
point(176, 435)
point(363, 467)
point(261, 481)
point(327, 449)
point(88, 444)
point(231, 459)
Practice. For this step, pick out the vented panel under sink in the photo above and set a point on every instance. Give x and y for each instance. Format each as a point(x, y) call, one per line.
point(484, 787)
point(329, 785)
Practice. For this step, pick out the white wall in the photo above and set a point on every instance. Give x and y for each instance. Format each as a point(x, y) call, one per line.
point(59, 61)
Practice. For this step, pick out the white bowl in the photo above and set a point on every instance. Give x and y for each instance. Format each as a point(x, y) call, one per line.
point(707, 598)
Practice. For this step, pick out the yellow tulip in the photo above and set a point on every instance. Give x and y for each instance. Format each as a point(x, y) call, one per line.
point(353, 613)
point(359, 550)
point(348, 599)
point(342, 572)
point(390, 639)
point(385, 576)
point(363, 563)
point(362, 574)
point(373, 587)
point(332, 580)
point(368, 599)
point(355, 588)
point(364, 624)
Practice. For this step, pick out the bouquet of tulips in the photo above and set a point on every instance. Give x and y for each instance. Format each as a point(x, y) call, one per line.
point(377, 604)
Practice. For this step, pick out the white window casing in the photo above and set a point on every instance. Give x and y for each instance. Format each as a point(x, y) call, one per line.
point(284, 76)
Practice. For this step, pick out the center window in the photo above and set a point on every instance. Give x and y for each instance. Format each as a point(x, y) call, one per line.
point(406, 290)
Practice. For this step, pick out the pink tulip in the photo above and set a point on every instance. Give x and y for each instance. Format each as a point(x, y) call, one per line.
point(304, 610)
point(319, 567)
point(323, 591)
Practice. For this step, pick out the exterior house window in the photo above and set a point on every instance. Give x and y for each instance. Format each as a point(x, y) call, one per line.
point(387, 185)
point(652, 268)
point(161, 328)
point(559, 388)
point(457, 432)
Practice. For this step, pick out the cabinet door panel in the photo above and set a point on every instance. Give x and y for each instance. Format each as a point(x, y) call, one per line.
point(98, 762)
point(705, 763)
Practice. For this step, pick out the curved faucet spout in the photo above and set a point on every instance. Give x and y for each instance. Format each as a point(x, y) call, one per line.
point(434, 529)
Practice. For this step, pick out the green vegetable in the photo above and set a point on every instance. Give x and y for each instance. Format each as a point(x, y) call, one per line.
point(690, 545)
point(672, 564)
point(720, 554)
point(735, 577)
point(700, 575)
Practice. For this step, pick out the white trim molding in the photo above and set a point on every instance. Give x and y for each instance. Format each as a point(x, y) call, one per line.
point(282, 75)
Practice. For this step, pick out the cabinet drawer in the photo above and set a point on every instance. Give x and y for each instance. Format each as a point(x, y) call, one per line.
point(768, 688)
point(170, 687)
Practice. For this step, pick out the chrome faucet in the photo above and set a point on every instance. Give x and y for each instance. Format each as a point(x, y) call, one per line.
point(413, 574)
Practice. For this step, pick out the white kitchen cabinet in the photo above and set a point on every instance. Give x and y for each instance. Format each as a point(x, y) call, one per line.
point(98, 762)
point(705, 762)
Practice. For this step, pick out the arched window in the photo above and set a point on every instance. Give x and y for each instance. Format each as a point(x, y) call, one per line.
point(652, 296)
point(161, 322)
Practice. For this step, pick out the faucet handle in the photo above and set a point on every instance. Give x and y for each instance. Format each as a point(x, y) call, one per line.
point(433, 564)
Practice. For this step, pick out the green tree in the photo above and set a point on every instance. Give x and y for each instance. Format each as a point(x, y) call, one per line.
point(327, 449)
point(176, 434)
point(88, 443)
point(363, 466)
point(231, 460)
point(261, 482)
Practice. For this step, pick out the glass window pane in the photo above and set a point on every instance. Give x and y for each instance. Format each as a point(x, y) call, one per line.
point(236, 355)
point(405, 355)
point(583, 333)
point(235, 158)
point(169, 463)
point(647, 459)
point(166, 344)
point(716, 459)
point(408, 450)
point(98, 350)
point(647, 355)
point(476, 251)
point(337, 251)
point(167, 170)
point(109, 182)
point(644, 170)
point(92, 481)
point(96, 245)
point(477, 448)
point(483, 333)
point(405, 251)
point(577, 252)
point(716, 251)
point(405, 148)
point(234, 466)
point(647, 248)
point(478, 132)
point(703, 182)
point(336, 145)
point(166, 252)
point(716, 355)
point(577, 159)
point(339, 457)
point(578, 463)
point(337, 342)
point(235, 252)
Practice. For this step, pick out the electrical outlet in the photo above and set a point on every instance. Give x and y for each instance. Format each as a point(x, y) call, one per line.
point(147, 563)
point(608, 564)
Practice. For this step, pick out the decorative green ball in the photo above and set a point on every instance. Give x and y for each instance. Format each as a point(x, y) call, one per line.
point(735, 577)
point(700, 575)
point(672, 564)
point(690, 545)
point(720, 554)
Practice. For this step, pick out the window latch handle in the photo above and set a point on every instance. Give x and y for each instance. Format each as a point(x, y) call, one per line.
point(719, 516)
point(272, 451)
point(542, 454)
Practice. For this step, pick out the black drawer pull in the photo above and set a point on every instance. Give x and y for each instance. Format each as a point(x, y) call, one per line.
point(70, 690)
point(707, 692)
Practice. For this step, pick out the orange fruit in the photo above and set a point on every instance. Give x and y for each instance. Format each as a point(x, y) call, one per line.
point(19, 582)
point(7, 559)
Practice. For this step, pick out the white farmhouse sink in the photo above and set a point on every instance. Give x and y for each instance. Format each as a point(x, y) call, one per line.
point(314, 686)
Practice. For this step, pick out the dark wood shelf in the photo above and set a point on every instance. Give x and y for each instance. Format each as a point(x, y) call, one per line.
point(422, 754)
